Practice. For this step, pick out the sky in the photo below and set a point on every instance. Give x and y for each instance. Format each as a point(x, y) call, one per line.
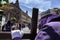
point(42, 5)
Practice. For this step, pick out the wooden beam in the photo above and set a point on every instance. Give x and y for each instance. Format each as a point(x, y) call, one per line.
point(34, 23)
point(5, 35)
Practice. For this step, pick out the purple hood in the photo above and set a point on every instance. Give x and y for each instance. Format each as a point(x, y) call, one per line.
point(47, 19)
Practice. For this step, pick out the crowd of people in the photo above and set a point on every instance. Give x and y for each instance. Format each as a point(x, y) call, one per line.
point(15, 29)
point(11, 25)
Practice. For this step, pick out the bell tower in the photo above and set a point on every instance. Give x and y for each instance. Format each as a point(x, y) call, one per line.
point(17, 3)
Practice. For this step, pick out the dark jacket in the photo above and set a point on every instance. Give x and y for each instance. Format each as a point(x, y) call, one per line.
point(7, 26)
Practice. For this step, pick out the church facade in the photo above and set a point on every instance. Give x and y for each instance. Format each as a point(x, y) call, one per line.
point(13, 10)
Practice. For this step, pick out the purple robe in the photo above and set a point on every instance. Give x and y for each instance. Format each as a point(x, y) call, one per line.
point(47, 33)
point(49, 28)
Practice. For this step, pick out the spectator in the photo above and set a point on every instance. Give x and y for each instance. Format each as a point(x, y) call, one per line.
point(7, 26)
point(20, 26)
point(29, 25)
point(23, 25)
point(16, 33)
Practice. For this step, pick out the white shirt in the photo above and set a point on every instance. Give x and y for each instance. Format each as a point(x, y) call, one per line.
point(16, 33)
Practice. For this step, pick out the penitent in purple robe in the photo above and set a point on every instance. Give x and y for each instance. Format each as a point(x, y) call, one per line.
point(50, 32)
point(49, 28)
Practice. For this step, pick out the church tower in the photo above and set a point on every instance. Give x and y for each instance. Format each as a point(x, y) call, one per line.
point(17, 4)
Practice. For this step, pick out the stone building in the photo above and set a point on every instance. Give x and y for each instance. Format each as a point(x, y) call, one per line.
point(13, 10)
point(55, 10)
point(49, 11)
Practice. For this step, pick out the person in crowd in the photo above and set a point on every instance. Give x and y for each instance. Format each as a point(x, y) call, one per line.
point(23, 25)
point(20, 26)
point(16, 33)
point(7, 26)
point(29, 25)
point(50, 29)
